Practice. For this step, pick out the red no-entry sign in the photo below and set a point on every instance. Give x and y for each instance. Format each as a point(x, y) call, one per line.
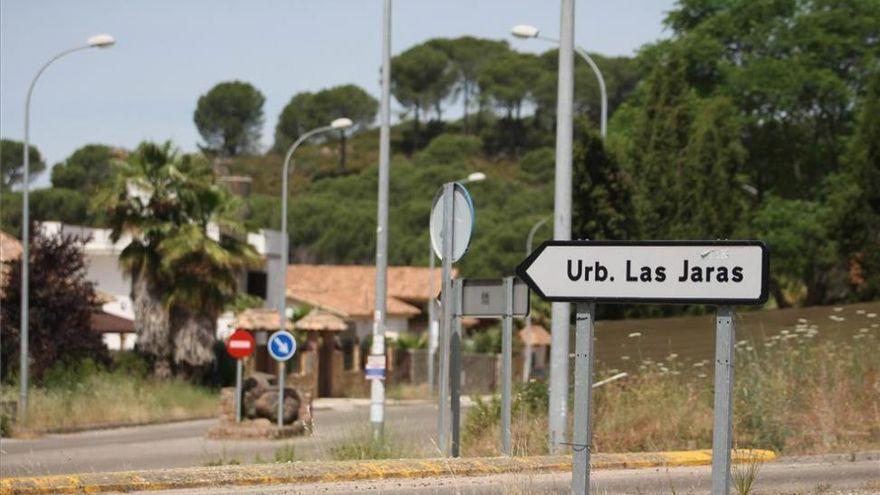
point(240, 344)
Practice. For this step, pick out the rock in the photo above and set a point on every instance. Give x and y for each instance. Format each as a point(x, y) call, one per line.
point(266, 406)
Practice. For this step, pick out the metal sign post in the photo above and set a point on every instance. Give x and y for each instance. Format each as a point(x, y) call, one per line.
point(281, 346)
point(583, 395)
point(452, 220)
point(722, 432)
point(240, 345)
point(505, 298)
point(455, 369)
point(721, 273)
point(506, 365)
point(238, 367)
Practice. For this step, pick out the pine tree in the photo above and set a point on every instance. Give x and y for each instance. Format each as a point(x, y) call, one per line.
point(660, 137)
point(602, 193)
point(712, 199)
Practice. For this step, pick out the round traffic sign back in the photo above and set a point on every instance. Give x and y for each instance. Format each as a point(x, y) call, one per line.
point(282, 345)
point(240, 344)
point(463, 221)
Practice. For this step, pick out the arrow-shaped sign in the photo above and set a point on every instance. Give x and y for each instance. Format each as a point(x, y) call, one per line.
point(667, 272)
point(282, 346)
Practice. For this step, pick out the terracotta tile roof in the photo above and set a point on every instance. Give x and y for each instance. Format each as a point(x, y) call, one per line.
point(10, 247)
point(349, 290)
point(318, 320)
point(106, 323)
point(540, 336)
point(259, 319)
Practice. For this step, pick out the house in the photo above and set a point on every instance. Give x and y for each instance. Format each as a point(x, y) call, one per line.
point(111, 281)
point(337, 329)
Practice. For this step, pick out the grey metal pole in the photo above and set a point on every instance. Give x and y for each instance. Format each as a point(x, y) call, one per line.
point(455, 369)
point(377, 387)
point(285, 240)
point(432, 337)
point(506, 365)
point(558, 417)
point(583, 395)
point(446, 329)
point(281, 369)
point(24, 367)
point(722, 435)
point(603, 122)
point(238, 390)
point(527, 359)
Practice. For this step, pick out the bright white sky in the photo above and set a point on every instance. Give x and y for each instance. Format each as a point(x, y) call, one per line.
point(170, 52)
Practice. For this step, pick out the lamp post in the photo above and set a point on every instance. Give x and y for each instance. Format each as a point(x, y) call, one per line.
point(526, 31)
point(96, 41)
point(377, 385)
point(432, 316)
point(527, 361)
point(338, 124)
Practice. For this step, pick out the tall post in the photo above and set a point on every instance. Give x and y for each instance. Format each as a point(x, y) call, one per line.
point(583, 395)
point(432, 317)
point(558, 416)
point(25, 265)
point(506, 365)
point(281, 369)
point(238, 366)
point(446, 329)
point(455, 369)
point(527, 359)
point(377, 387)
point(722, 433)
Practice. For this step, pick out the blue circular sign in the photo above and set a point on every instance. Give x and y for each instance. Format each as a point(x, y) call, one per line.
point(282, 345)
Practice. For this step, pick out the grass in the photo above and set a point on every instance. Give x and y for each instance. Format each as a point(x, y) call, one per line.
point(105, 398)
point(359, 444)
point(793, 395)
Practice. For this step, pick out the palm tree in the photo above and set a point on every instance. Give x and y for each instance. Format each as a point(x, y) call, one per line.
point(181, 278)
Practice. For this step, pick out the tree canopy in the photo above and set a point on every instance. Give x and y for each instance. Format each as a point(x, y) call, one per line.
point(12, 163)
point(229, 118)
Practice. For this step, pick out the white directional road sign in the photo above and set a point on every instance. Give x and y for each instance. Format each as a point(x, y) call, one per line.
point(667, 272)
point(282, 345)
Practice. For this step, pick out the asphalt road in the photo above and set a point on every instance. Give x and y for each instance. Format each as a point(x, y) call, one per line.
point(813, 475)
point(184, 444)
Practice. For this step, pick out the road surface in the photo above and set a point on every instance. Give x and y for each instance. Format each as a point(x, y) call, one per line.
point(813, 475)
point(184, 444)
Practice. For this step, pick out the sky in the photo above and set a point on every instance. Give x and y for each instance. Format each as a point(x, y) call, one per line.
point(168, 53)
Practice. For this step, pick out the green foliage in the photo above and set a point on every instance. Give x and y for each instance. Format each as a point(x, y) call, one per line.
point(508, 81)
point(88, 168)
point(12, 163)
point(307, 111)
point(487, 341)
point(229, 118)
point(411, 341)
point(796, 231)
point(539, 165)
point(602, 193)
point(421, 78)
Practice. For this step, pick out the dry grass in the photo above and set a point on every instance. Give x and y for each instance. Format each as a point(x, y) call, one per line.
point(104, 398)
point(793, 395)
point(405, 391)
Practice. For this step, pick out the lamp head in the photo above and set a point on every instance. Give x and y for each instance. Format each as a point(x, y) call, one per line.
point(101, 41)
point(342, 123)
point(524, 31)
point(476, 177)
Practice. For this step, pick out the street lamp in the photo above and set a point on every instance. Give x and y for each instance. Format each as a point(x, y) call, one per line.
point(338, 124)
point(96, 41)
point(432, 328)
point(525, 31)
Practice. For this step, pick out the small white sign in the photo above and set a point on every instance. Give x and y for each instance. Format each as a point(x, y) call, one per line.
point(676, 272)
point(375, 369)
